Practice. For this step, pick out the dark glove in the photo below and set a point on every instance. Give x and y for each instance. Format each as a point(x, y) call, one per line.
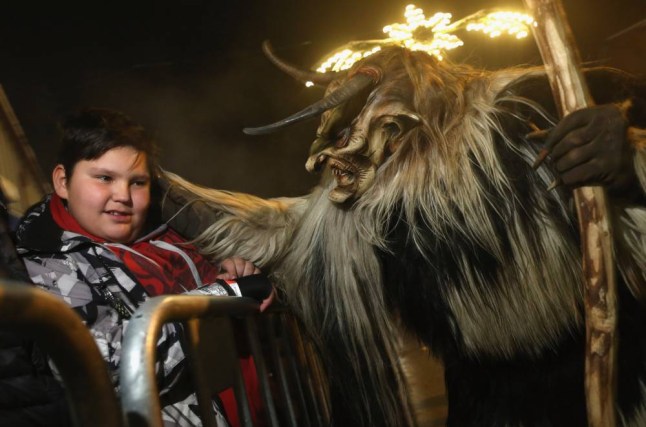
point(256, 286)
point(590, 147)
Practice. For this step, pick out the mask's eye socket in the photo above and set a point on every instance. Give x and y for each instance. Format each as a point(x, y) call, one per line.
point(392, 129)
point(395, 127)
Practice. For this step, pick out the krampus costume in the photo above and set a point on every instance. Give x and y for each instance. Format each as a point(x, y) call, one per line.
point(429, 209)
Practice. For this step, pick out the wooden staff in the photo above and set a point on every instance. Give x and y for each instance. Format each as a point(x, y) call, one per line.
point(556, 44)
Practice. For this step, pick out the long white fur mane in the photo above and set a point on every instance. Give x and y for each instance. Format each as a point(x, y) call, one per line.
point(325, 256)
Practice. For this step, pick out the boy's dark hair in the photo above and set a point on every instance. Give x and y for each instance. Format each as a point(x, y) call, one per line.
point(91, 132)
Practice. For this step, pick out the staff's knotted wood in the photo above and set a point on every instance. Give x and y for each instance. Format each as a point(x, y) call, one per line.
point(556, 44)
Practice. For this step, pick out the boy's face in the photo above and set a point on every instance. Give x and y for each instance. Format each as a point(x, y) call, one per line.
point(108, 196)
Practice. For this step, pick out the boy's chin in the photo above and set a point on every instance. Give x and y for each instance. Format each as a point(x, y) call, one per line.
point(123, 237)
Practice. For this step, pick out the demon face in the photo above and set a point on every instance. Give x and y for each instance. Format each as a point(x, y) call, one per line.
point(357, 137)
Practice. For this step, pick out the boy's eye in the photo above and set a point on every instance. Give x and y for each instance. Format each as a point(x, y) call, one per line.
point(104, 178)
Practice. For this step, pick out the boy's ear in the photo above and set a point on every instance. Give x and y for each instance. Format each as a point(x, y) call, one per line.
point(59, 179)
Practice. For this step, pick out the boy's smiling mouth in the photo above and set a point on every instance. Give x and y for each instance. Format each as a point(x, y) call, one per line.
point(119, 214)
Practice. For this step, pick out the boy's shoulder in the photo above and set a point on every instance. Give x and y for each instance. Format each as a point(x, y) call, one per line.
point(38, 231)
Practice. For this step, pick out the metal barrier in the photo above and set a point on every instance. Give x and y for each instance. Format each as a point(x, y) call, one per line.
point(211, 342)
point(296, 370)
point(57, 328)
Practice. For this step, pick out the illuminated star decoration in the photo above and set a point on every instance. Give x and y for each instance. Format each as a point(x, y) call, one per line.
point(433, 35)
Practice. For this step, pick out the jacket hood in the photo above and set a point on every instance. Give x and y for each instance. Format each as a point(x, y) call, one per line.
point(38, 231)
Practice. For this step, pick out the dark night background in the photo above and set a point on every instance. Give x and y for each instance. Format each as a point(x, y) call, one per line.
point(193, 72)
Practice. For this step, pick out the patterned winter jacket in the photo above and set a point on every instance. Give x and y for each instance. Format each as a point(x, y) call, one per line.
point(96, 283)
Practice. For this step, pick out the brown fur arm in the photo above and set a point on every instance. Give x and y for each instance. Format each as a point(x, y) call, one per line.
point(225, 224)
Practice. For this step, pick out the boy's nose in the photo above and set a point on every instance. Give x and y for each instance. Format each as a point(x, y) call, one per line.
point(121, 192)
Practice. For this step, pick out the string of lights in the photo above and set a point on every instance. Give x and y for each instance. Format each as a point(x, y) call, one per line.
point(434, 35)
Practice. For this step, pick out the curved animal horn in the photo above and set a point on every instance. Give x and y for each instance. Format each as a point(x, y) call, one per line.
point(321, 79)
point(350, 88)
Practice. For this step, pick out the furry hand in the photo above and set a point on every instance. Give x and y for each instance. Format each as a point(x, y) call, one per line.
point(590, 147)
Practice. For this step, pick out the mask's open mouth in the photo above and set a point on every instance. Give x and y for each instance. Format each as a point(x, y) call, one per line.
point(344, 173)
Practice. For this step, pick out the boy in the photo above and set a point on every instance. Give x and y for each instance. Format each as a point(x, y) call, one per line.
point(97, 243)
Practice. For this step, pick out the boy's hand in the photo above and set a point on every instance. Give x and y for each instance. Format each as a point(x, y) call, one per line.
point(234, 267)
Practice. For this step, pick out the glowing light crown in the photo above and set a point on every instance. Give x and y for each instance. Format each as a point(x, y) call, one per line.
point(433, 35)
